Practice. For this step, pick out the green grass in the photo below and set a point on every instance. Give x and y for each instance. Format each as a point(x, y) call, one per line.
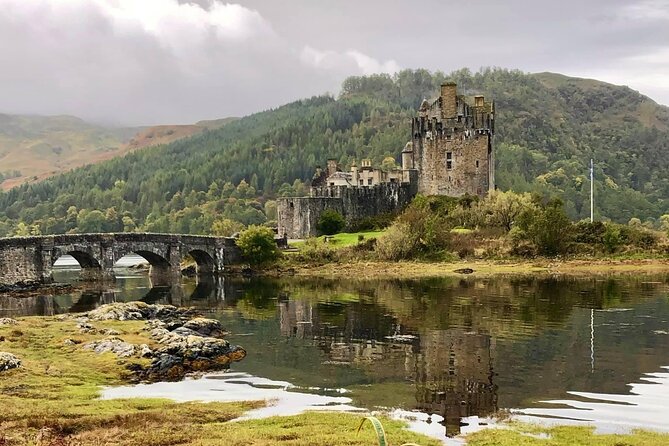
point(58, 384)
point(520, 434)
point(344, 239)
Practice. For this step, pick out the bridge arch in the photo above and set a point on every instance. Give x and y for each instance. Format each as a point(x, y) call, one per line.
point(90, 264)
point(83, 258)
point(156, 257)
point(205, 263)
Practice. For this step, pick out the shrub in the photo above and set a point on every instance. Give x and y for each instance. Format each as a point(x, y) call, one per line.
point(611, 238)
point(373, 223)
point(548, 228)
point(422, 230)
point(463, 244)
point(315, 250)
point(330, 222)
point(589, 232)
point(399, 242)
point(258, 245)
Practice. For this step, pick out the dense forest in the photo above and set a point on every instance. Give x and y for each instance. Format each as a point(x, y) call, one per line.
point(548, 128)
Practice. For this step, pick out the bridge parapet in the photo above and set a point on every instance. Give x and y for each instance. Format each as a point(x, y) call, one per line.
point(32, 258)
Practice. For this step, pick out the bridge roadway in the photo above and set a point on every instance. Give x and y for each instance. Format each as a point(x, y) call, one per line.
point(31, 259)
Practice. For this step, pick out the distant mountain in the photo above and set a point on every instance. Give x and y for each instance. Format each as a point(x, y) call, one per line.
point(548, 127)
point(33, 148)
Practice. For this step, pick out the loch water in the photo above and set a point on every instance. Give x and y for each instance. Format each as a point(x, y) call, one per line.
point(445, 353)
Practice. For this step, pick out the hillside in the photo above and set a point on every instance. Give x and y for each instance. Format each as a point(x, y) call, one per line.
point(33, 148)
point(548, 127)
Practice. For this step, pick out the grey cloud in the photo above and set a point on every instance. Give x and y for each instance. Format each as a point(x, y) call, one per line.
point(161, 61)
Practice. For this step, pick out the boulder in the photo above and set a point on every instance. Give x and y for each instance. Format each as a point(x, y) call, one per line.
point(126, 311)
point(117, 346)
point(145, 351)
point(8, 361)
point(7, 321)
point(192, 354)
point(205, 327)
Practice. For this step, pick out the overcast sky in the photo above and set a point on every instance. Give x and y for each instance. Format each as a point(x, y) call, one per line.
point(137, 62)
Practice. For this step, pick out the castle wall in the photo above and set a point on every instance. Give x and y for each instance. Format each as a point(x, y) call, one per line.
point(468, 171)
point(298, 217)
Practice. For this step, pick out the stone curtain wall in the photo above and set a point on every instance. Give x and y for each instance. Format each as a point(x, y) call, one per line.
point(298, 217)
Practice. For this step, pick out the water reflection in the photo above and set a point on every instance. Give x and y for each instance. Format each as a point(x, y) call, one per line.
point(455, 349)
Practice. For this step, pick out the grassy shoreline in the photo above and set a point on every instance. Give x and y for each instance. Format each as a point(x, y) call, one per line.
point(481, 268)
point(52, 399)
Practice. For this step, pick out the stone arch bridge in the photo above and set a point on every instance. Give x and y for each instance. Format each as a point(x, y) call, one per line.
point(24, 259)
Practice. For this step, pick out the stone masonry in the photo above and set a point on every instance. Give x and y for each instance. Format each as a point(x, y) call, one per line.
point(451, 145)
point(31, 259)
point(450, 153)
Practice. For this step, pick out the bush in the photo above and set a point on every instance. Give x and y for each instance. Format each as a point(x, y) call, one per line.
point(590, 232)
point(373, 223)
point(399, 242)
point(463, 244)
point(422, 230)
point(258, 245)
point(548, 228)
point(330, 222)
point(315, 250)
point(611, 238)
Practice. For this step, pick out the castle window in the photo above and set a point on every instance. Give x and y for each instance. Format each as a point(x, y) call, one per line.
point(369, 181)
point(331, 184)
point(362, 182)
point(449, 160)
point(477, 164)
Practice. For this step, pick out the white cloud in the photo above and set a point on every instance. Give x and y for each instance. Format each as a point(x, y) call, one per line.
point(369, 65)
point(352, 60)
point(648, 10)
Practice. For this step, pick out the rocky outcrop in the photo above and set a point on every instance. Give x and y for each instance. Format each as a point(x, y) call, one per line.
point(117, 346)
point(185, 343)
point(128, 311)
point(8, 361)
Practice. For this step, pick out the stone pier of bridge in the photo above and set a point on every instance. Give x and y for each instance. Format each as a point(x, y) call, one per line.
point(31, 259)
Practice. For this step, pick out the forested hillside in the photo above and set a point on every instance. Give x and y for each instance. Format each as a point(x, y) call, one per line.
point(548, 127)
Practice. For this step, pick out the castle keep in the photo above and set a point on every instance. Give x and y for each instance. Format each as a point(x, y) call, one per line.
point(450, 153)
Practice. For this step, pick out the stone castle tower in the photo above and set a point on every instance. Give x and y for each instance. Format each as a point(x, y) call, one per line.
point(451, 146)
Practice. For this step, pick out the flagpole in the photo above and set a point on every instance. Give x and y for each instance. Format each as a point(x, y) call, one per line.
point(592, 190)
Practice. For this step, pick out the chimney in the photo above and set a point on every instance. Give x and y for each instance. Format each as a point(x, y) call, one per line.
point(449, 106)
point(332, 167)
point(478, 100)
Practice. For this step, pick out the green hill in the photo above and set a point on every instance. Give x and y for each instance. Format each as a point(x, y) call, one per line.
point(548, 127)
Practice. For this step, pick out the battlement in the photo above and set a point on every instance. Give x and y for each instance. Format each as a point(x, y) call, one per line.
point(452, 144)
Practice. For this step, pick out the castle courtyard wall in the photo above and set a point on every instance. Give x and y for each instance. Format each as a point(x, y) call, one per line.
point(298, 217)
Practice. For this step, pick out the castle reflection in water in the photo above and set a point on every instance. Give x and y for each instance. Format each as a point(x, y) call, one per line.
point(452, 369)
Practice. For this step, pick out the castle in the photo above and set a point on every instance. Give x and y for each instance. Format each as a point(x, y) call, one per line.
point(450, 153)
